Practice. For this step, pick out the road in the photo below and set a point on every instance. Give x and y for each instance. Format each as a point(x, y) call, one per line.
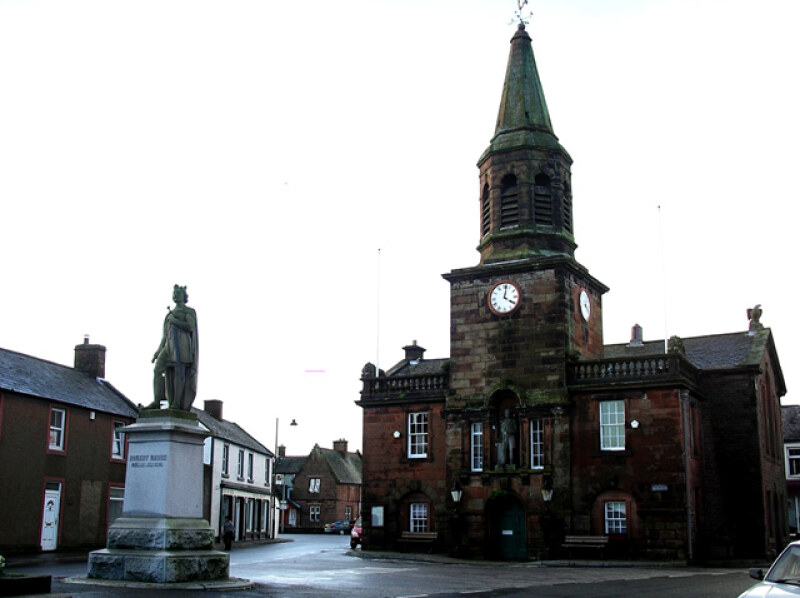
point(321, 566)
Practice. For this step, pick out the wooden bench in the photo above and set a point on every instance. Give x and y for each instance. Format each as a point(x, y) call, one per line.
point(597, 542)
point(428, 538)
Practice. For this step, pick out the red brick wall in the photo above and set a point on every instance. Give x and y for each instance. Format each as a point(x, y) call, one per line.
point(85, 468)
point(389, 475)
point(651, 470)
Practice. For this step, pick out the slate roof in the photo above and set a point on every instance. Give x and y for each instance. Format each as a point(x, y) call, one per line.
point(290, 465)
point(716, 351)
point(346, 467)
point(230, 432)
point(417, 367)
point(790, 415)
point(36, 377)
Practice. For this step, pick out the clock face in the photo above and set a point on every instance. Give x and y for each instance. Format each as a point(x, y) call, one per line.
point(504, 297)
point(586, 305)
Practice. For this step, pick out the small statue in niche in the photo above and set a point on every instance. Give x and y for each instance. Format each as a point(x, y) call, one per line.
point(507, 445)
point(176, 359)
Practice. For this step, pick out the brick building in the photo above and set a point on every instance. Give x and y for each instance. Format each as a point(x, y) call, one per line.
point(546, 431)
point(62, 451)
point(327, 487)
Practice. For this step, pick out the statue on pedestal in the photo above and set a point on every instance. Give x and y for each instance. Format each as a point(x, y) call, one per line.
point(176, 359)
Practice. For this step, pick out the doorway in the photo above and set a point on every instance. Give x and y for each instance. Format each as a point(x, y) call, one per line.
point(50, 515)
point(507, 527)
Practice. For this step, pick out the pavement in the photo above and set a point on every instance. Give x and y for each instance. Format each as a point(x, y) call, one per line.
point(42, 560)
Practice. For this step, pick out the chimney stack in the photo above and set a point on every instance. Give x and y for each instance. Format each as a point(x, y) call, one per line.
point(340, 445)
point(90, 359)
point(413, 351)
point(281, 452)
point(213, 408)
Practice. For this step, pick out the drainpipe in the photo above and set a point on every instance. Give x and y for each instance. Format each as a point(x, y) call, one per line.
point(687, 440)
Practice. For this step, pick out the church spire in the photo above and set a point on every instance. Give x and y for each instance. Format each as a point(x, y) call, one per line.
point(523, 117)
point(526, 197)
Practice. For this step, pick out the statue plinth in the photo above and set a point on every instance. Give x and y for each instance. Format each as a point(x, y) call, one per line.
point(161, 536)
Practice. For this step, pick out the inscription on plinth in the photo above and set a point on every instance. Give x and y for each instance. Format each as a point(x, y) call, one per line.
point(147, 461)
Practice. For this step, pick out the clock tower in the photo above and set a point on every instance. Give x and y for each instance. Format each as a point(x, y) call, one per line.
point(528, 307)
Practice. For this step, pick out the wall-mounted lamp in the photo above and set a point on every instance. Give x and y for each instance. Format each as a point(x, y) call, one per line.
point(634, 424)
point(396, 434)
point(547, 490)
point(456, 493)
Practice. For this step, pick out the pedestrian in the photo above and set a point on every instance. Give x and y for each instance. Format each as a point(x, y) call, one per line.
point(227, 533)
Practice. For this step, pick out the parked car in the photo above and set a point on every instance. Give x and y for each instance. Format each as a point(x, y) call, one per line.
point(338, 527)
point(782, 578)
point(355, 534)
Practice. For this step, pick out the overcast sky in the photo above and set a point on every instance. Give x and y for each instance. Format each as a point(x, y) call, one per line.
point(261, 153)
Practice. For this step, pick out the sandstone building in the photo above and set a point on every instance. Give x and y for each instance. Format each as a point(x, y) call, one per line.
point(544, 431)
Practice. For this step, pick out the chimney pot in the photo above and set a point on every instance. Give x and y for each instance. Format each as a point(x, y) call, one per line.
point(637, 336)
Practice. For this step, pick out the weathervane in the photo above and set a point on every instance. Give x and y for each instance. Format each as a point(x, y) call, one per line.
point(523, 17)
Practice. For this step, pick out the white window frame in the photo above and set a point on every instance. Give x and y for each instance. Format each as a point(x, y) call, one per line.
point(313, 513)
point(58, 429)
point(612, 425)
point(615, 517)
point(240, 465)
point(476, 446)
point(793, 461)
point(418, 435)
point(226, 458)
point(418, 517)
point(313, 485)
point(537, 444)
point(250, 467)
point(117, 440)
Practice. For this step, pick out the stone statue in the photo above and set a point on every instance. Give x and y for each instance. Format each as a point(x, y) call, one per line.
point(176, 359)
point(368, 371)
point(754, 315)
point(675, 345)
point(508, 439)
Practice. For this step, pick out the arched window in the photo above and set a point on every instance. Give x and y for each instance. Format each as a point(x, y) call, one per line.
point(415, 513)
point(614, 513)
point(486, 219)
point(509, 202)
point(542, 201)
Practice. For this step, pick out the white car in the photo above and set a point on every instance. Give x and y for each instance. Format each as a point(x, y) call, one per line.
point(782, 579)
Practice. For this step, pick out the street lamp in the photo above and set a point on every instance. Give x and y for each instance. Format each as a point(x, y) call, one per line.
point(456, 493)
point(547, 496)
point(274, 478)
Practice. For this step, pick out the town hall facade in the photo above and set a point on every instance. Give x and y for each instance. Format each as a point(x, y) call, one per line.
point(534, 439)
